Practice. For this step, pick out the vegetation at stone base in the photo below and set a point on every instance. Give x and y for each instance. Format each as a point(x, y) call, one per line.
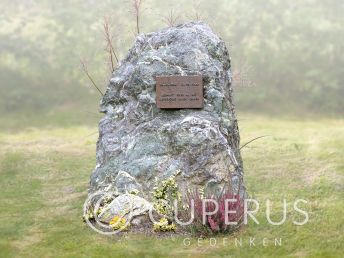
point(44, 174)
point(164, 195)
point(289, 52)
point(119, 223)
point(215, 223)
point(96, 206)
point(164, 225)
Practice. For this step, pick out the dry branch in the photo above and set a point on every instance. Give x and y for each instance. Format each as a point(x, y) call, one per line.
point(171, 19)
point(109, 43)
point(137, 11)
point(252, 141)
point(85, 69)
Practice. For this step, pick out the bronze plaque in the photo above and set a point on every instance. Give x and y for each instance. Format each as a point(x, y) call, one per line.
point(179, 91)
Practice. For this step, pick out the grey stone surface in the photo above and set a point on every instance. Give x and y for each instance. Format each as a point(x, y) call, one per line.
point(128, 206)
point(139, 142)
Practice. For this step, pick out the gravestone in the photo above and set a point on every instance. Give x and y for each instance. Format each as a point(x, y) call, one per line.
point(168, 107)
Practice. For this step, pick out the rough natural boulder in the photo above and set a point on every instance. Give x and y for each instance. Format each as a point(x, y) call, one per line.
point(139, 142)
point(127, 205)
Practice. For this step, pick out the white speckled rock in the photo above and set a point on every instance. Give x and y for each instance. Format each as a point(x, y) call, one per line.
point(145, 142)
point(127, 205)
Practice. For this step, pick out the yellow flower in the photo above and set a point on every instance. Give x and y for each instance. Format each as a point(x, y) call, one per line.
point(118, 223)
point(164, 226)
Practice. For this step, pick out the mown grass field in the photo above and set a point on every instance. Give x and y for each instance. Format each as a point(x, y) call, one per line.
point(44, 176)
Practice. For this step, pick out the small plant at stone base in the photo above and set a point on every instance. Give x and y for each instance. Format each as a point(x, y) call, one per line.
point(88, 216)
point(164, 225)
point(90, 212)
point(215, 223)
point(118, 223)
point(165, 194)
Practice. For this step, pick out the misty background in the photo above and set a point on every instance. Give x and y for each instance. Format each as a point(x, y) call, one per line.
point(287, 56)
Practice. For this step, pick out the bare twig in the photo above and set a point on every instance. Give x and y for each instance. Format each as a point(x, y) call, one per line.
point(171, 19)
point(197, 16)
point(137, 11)
point(196, 7)
point(91, 134)
point(252, 141)
point(85, 69)
point(109, 44)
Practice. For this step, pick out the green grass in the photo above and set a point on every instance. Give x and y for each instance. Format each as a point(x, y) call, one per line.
point(44, 177)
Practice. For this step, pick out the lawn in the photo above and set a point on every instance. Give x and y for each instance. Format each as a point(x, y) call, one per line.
point(44, 175)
